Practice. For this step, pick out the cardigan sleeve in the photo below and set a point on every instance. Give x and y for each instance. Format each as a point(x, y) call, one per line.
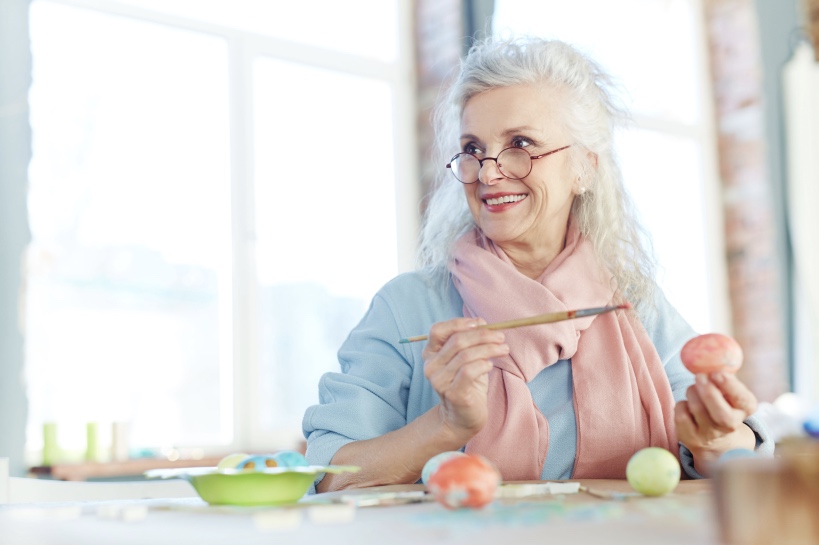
point(368, 398)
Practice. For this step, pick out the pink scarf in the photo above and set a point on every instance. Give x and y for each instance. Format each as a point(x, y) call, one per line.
point(622, 397)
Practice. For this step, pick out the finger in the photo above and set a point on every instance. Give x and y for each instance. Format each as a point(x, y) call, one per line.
point(461, 341)
point(725, 417)
point(686, 426)
point(439, 335)
point(469, 375)
point(444, 375)
point(735, 392)
point(473, 371)
point(704, 423)
point(440, 332)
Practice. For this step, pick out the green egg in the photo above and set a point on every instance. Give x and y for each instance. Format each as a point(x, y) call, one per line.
point(653, 471)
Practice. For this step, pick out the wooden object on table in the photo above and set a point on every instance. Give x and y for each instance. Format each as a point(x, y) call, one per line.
point(125, 468)
point(775, 500)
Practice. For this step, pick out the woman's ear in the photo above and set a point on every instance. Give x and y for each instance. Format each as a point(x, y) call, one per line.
point(580, 187)
point(592, 158)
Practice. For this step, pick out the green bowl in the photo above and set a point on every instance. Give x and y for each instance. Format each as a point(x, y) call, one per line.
point(248, 487)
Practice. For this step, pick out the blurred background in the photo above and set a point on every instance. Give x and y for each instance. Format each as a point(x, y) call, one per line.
point(199, 198)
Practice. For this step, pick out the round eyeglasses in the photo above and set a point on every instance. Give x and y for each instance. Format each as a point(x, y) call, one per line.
point(513, 163)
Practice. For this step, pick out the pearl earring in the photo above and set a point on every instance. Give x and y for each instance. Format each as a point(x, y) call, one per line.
point(581, 190)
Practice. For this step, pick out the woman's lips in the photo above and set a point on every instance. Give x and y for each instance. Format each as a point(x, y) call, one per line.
point(498, 202)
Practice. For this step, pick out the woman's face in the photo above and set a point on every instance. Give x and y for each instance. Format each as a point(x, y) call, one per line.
point(526, 117)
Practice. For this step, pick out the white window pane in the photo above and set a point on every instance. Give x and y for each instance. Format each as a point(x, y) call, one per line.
point(649, 46)
point(326, 222)
point(128, 279)
point(659, 170)
point(362, 27)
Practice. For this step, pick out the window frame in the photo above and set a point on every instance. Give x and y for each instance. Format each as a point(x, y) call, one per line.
point(243, 47)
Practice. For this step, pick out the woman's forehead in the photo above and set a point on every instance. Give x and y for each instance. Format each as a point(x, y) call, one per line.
point(501, 110)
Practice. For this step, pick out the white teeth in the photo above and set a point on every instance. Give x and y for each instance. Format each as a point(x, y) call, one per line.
point(506, 198)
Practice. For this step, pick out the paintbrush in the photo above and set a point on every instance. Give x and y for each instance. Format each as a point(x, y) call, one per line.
point(539, 319)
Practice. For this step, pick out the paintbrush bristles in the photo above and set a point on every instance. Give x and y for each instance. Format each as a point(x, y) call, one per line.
point(539, 319)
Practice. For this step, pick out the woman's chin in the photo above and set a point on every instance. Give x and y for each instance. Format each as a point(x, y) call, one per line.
point(499, 236)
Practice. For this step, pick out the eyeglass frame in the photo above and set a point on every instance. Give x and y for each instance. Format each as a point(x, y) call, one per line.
point(480, 162)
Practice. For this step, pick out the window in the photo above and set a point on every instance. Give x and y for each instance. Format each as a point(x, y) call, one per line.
point(317, 214)
point(655, 50)
point(217, 189)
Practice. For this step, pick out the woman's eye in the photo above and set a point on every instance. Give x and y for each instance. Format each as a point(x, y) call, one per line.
point(472, 148)
point(521, 142)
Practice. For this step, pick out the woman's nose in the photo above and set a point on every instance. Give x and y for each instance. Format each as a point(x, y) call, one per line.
point(490, 174)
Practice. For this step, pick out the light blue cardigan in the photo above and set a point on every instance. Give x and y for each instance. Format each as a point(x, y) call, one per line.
point(381, 386)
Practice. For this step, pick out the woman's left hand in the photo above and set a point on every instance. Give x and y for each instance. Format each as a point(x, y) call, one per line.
point(710, 421)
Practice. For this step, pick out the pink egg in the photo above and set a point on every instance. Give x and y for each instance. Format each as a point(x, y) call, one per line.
point(465, 481)
point(712, 352)
point(435, 462)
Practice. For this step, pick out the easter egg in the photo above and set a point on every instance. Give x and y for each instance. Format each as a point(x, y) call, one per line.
point(435, 462)
point(735, 454)
point(653, 471)
point(464, 481)
point(257, 462)
point(231, 460)
point(290, 458)
point(710, 353)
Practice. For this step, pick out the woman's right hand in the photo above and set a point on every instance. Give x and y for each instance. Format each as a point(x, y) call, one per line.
point(457, 364)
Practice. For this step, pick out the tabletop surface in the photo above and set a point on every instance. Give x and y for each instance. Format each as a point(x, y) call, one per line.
point(604, 511)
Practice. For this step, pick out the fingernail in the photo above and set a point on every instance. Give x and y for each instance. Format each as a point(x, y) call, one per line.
point(701, 379)
point(719, 378)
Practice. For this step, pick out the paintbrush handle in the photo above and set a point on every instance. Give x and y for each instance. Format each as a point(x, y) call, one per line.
point(532, 320)
point(535, 320)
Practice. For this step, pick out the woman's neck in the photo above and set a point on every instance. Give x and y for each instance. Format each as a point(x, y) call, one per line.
point(532, 261)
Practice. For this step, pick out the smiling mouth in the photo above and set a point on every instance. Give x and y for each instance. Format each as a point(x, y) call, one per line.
point(505, 199)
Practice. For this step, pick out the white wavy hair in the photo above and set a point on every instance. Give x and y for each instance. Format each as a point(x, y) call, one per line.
point(605, 213)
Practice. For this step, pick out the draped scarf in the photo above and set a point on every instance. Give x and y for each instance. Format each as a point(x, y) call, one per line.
point(622, 397)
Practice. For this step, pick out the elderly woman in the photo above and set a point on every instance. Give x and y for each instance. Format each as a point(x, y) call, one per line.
point(530, 217)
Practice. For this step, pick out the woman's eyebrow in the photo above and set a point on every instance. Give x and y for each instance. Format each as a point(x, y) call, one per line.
point(516, 130)
point(505, 133)
point(469, 137)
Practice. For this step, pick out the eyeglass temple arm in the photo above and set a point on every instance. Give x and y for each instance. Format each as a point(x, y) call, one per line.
point(549, 152)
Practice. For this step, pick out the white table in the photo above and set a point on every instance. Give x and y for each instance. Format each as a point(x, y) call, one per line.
point(685, 517)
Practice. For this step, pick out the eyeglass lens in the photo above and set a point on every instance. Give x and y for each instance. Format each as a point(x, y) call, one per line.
point(514, 163)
